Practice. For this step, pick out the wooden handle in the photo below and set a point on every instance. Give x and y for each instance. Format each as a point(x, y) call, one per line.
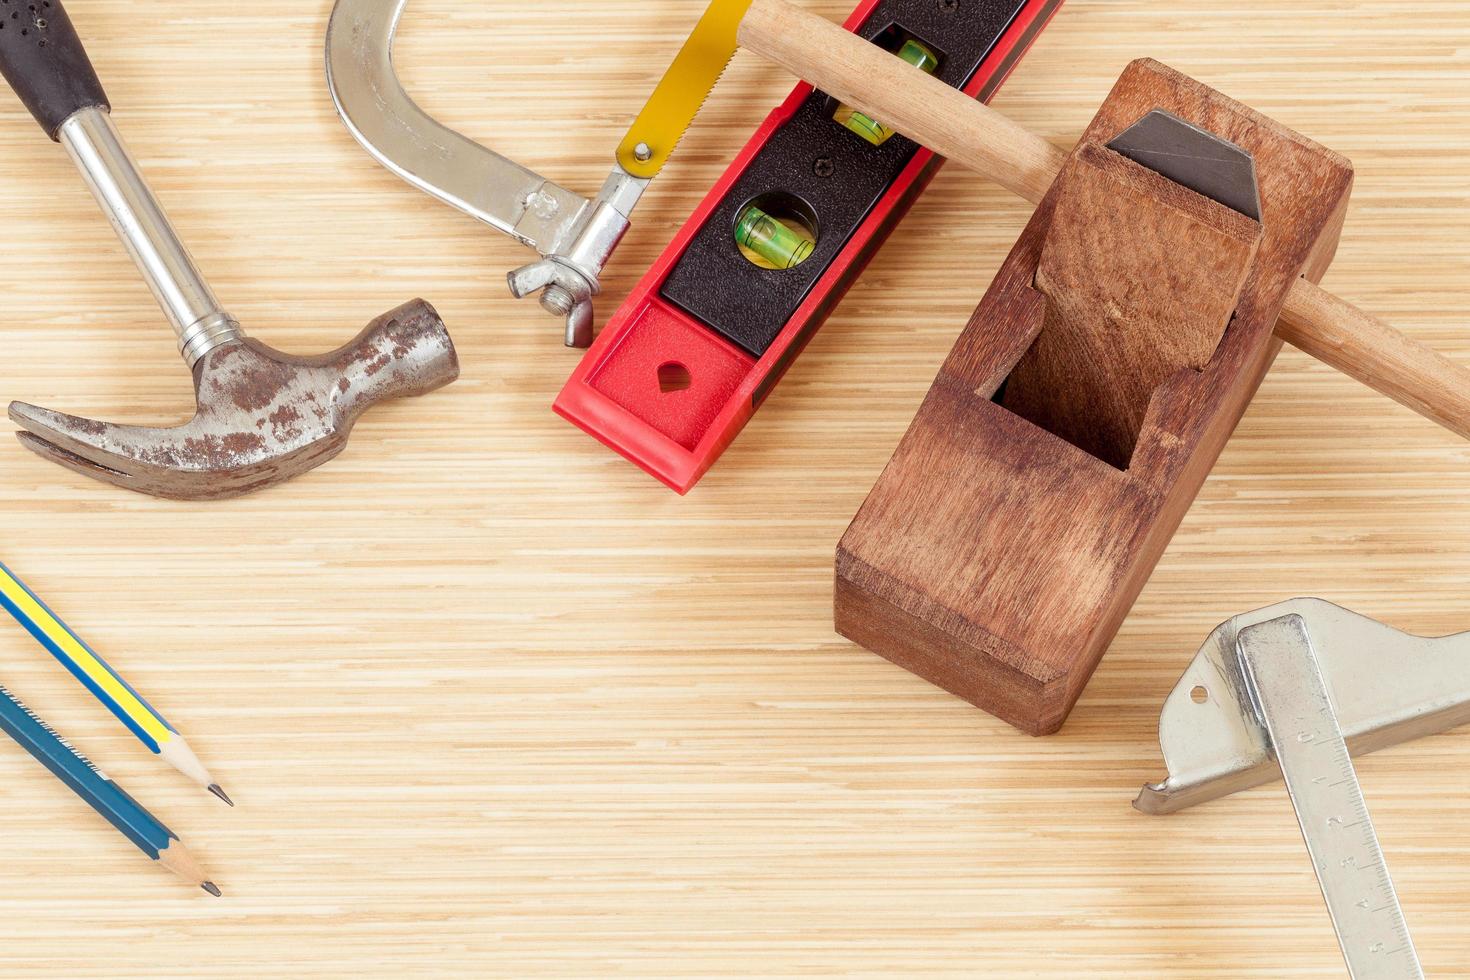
point(918, 105)
point(1366, 348)
point(975, 136)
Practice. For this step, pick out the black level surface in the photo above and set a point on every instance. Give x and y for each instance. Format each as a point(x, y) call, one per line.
point(749, 305)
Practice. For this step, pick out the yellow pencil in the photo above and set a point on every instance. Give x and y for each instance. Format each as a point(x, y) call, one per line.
point(152, 729)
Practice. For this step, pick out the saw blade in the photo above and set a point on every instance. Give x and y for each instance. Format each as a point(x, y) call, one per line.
point(685, 86)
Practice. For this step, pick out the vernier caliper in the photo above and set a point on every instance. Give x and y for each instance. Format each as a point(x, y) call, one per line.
point(1296, 690)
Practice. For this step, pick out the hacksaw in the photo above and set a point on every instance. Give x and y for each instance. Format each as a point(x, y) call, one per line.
point(698, 346)
point(575, 235)
point(706, 336)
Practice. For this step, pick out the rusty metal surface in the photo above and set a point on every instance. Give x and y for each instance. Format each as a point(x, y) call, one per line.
point(263, 417)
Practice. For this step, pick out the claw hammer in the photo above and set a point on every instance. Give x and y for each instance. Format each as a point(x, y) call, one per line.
point(262, 416)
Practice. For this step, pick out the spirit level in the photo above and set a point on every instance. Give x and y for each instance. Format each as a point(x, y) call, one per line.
point(715, 323)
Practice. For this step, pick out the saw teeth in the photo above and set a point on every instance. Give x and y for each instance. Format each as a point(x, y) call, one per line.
point(684, 88)
point(655, 163)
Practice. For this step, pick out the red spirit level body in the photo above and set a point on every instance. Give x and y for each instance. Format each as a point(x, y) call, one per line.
point(684, 363)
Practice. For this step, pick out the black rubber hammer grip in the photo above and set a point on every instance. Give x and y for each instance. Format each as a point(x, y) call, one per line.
point(44, 61)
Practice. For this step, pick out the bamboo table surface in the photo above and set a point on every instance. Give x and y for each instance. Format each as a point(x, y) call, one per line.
point(494, 703)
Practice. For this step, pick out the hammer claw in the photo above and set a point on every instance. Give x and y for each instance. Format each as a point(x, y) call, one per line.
point(186, 462)
point(73, 462)
point(198, 460)
point(68, 436)
point(261, 416)
point(101, 450)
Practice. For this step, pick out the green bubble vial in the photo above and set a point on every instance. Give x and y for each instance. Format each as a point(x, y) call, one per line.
point(871, 129)
point(770, 243)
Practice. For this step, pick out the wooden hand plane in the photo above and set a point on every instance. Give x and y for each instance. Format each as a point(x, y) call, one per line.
point(1083, 406)
point(1172, 252)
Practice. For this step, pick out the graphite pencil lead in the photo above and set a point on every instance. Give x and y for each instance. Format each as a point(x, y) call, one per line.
point(214, 788)
point(177, 753)
point(212, 888)
point(176, 858)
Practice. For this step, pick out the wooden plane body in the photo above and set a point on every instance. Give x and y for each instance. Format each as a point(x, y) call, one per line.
point(1079, 413)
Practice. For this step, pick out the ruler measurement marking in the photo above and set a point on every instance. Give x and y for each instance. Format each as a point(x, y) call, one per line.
point(1288, 689)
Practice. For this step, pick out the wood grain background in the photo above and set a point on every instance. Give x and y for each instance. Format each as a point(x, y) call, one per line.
point(494, 703)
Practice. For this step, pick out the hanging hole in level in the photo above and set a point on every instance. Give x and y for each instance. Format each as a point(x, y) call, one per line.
point(672, 377)
point(1200, 694)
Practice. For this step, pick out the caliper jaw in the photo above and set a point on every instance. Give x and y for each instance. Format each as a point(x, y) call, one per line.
point(1387, 686)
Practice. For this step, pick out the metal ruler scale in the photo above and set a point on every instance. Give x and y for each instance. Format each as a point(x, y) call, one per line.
point(1286, 686)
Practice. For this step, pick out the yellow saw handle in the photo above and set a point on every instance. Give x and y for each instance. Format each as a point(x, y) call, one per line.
point(676, 101)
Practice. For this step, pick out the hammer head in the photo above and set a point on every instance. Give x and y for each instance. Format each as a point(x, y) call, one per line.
point(263, 416)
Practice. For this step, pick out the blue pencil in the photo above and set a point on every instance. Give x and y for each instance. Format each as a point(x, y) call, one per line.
point(106, 797)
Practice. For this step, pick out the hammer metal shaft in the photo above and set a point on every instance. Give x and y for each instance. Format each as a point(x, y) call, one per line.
point(97, 149)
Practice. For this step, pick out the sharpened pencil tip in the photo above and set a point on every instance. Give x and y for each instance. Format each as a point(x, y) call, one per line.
point(212, 888)
point(214, 788)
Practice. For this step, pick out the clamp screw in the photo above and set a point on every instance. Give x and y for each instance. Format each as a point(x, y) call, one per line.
point(643, 153)
point(824, 167)
point(557, 301)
